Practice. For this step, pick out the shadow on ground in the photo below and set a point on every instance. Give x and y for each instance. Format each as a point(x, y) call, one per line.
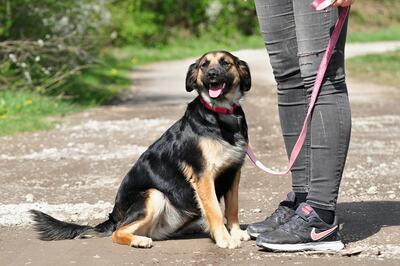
point(366, 218)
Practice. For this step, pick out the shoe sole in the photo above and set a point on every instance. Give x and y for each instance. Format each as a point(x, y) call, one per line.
point(315, 246)
point(253, 235)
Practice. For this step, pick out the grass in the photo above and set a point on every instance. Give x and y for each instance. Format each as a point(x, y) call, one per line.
point(382, 68)
point(25, 111)
point(383, 34)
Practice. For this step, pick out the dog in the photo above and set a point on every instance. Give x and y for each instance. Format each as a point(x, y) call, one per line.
point(177, 183)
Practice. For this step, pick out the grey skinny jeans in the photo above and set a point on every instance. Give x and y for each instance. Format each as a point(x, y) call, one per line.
point(296, 37)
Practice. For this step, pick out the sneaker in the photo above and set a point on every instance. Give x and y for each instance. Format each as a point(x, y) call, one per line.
point(304, 231)
point(280, 216)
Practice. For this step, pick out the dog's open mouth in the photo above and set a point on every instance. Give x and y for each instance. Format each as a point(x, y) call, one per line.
point(216, 90)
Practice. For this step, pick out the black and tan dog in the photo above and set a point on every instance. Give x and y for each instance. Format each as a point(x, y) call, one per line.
point(179, 180)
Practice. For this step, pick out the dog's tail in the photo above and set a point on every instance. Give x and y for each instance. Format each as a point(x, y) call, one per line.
point(50, 228)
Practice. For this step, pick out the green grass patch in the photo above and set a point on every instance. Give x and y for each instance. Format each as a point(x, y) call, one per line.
point(378, 68)
point(22, 111)
point(383, 34)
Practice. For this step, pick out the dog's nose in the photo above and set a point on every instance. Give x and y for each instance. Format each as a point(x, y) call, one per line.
point(212, 73)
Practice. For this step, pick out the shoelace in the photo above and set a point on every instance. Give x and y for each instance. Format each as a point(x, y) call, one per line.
point(278, 213)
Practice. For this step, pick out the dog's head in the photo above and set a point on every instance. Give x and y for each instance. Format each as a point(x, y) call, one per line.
point(219, 77)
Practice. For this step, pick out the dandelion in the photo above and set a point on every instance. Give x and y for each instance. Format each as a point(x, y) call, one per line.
point(28, 102)
point(13, 58)
point(134, 60)
point(37, 58)
point(114, 72)
point(23, 65)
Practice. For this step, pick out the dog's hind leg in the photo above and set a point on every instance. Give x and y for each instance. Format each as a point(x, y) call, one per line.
point(139, 221)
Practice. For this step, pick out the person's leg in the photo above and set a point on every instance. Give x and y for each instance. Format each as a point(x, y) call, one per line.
point(331, 119)
point(313, 227)
point(277, 25)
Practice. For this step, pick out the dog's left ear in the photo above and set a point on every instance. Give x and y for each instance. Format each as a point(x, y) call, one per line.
point(191, 77)
point(244, 73)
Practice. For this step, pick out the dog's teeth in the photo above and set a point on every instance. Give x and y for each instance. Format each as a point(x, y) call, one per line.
point(223, 86)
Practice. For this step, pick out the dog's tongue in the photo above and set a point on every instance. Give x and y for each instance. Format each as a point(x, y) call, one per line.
point(215, 91)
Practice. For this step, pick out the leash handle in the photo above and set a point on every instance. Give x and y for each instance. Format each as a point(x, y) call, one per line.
point(317, 86)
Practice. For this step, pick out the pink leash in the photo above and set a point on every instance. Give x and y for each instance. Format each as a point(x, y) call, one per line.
point(318, 5)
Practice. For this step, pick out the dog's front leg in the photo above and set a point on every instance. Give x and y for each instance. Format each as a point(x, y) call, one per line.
point(231, 199)
point(209, 204)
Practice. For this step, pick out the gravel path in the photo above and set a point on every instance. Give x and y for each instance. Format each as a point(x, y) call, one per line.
point(74, 170)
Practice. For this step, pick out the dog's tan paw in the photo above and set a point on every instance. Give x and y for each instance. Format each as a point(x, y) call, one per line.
point(228, 242)
point(240, 235)
point(142, 242)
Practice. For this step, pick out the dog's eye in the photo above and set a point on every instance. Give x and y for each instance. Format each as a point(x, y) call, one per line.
point(224, 63)
point(205, 64)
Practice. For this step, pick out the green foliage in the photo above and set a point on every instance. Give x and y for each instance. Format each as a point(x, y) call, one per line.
point(54, 47)
point(157, 22)
point(43, 43)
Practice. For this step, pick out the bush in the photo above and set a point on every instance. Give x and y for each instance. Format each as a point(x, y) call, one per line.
point(156, 22)
point(43, 42)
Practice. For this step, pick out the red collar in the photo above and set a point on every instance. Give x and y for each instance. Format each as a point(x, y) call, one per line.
point(216, 109)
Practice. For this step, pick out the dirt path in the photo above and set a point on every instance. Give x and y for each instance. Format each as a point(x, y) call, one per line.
point(74, 170)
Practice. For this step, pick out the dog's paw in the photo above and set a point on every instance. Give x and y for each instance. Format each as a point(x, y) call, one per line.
point(240, 235)
point(228, 242)
point(142, 242)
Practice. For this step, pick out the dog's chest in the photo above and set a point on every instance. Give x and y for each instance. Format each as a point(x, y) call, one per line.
point(220, 154)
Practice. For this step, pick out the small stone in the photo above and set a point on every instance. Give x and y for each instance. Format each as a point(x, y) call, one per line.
point(372, 190)
point(29, 198)
point(241, 210)
point(96, 257)
point(256, 210)
point(352, 251)
point(392, 196)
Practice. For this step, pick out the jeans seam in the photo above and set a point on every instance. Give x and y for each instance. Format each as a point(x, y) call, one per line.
point(340, 152)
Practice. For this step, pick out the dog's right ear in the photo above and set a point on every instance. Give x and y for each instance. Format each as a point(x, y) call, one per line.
point(191, 77)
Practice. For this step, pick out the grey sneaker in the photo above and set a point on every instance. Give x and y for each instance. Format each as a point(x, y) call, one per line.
point(280, 216)
point(304, 231)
